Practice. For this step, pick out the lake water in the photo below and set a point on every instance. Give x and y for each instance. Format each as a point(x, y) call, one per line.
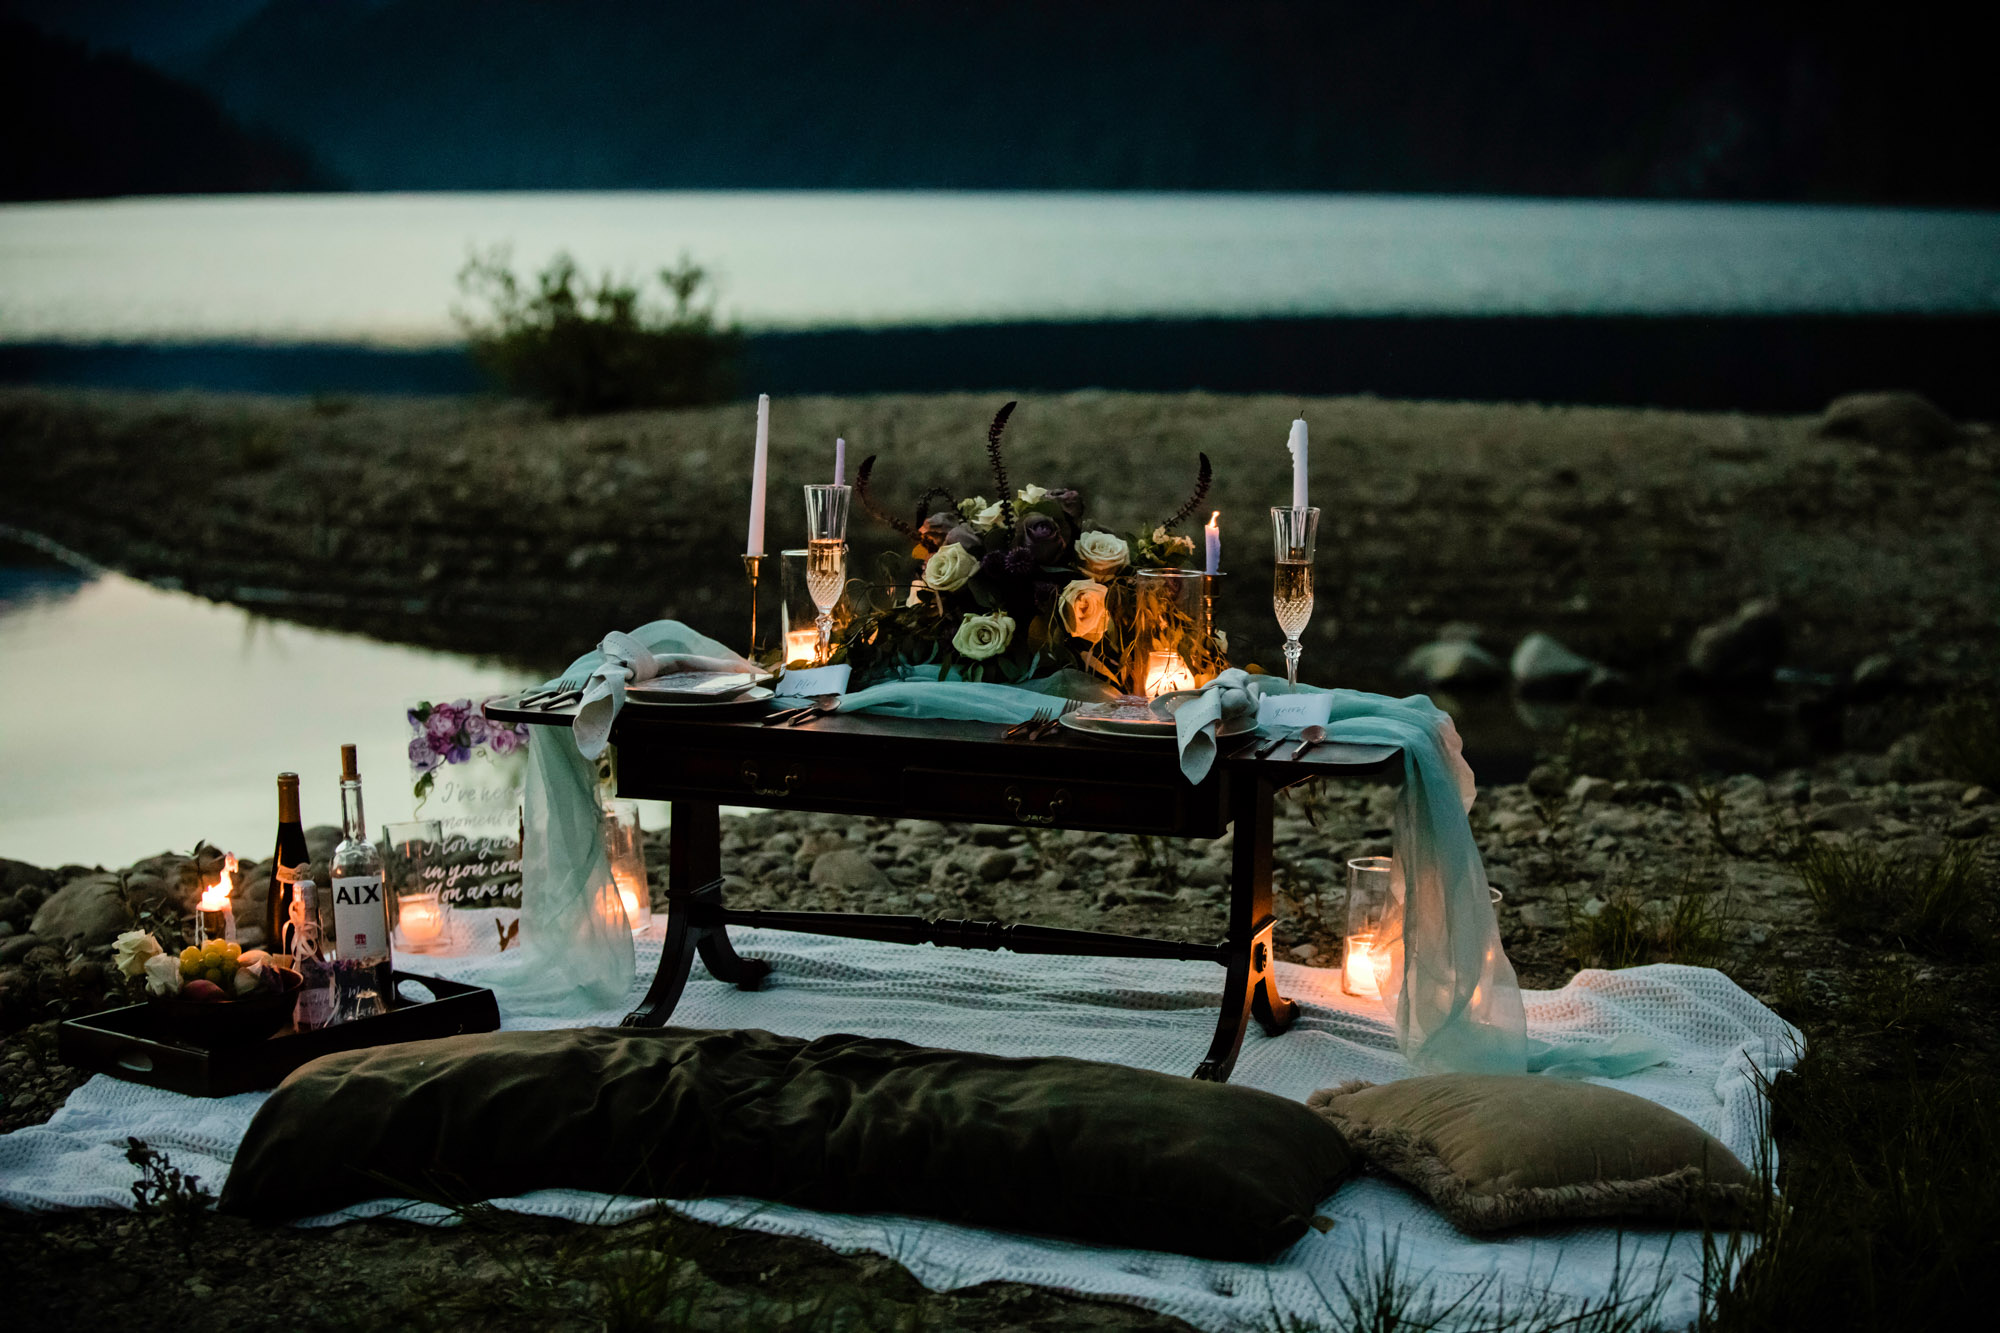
point(138, 720)
point(380, 268)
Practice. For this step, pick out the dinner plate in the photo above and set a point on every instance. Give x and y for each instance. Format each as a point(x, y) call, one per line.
point(694, 687)
point(751, 699)
point(1103, 729)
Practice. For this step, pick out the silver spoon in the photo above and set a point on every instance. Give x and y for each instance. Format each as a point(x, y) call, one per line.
point(1308, 738)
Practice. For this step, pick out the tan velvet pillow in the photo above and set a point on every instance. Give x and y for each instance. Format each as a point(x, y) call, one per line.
point(1501, 1150)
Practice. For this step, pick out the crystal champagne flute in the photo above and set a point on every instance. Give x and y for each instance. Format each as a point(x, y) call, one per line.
point(826, 556)
point(1293, 532)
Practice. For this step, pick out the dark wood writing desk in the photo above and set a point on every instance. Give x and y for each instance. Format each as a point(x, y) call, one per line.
point(895, 768)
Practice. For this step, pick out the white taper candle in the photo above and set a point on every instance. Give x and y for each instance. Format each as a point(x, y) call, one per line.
point(839, 462)
point(759, 474)
point(1297, 444)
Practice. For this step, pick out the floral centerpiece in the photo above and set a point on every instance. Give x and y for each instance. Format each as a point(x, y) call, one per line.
point(1021, 585)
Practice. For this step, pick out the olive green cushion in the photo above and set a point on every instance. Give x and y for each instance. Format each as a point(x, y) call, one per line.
point(1498, 1150)
point(1096, 1152)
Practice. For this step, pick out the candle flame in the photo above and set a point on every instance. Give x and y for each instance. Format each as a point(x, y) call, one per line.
point(216, 896)
point(1212, 525)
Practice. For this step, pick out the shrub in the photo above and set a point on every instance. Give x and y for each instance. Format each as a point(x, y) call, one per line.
point(1690, 929)
point(1928, 903)
point(583, 344)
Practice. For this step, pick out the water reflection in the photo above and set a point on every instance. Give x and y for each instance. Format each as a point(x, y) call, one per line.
point(136, 720)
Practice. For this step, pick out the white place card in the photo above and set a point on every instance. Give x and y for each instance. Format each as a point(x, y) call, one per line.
point(1282, 712)
point(812, 680)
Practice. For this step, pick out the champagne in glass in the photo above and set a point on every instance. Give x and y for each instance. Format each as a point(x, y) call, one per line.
point(1293, 534)
point(826, 556)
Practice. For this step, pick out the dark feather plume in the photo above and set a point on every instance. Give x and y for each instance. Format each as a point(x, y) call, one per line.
point(999, 464)
point(1202, 480)
point(880, 514)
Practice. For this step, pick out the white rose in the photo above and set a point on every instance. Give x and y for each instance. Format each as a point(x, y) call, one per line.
point(131, 950)
point(981, 637)
point(163, 974)
point(1102, 555)
point(1033, 494)
point(1084, 609)
point(988, 518)
point(967, 508)
point(949, 567)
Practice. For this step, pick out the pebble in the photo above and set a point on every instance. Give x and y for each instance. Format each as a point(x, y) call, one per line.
point(1587, 789)
point(1544, 669)
point(994, 866)
point(1304, 953)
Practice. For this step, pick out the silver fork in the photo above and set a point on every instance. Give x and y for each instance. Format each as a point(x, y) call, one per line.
point(549, 695)
point(1049, 728)
point(1041, 718)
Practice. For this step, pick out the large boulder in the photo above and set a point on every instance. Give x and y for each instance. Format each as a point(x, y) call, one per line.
point(1544, 669)
point(1905, 422)
point(1744, 649)
point(1454, 663)
point(845, 870)
point(85, 912)
point(19, 875)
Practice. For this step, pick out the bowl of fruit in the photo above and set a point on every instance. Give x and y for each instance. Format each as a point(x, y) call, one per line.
point(227, 996)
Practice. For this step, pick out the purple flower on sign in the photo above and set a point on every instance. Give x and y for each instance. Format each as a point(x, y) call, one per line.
point(506, 739)
point(476, 727)
point(442, 725)
point(458, 754)
point(422, 757)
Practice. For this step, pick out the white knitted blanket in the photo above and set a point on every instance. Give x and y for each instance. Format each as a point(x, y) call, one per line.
point(1152, 1015)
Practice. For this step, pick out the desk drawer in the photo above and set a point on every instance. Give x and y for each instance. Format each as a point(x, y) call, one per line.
point(735, 778)
point(986, 798)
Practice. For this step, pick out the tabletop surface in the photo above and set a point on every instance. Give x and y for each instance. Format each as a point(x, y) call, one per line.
point(966, 744)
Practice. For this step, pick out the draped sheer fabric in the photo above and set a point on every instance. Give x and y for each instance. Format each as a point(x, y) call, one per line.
point(1450, 989)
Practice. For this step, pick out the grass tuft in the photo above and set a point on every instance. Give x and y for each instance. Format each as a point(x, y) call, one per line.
point(1692, 928)
point(1964, 740)
point(1929, 904)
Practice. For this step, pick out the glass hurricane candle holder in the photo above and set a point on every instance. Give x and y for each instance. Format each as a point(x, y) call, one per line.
point(1294, 532)
point(627, 852)
point(798, 614)
point(413, 876)
point(1172, 645)
point(1365, 961)
point(826, 556)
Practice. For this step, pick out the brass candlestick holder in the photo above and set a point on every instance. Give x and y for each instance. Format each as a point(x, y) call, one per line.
point(753, 565)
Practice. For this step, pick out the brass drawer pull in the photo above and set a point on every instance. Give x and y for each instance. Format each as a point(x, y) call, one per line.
point(784, 787)
point(1056, 803)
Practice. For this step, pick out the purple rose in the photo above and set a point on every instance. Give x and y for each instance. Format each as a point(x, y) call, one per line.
point(477, 727)
point(422, 757)
point(936, 530)
point(505, 739)
point(1071, 502)
point(1043, 541)
point(443, 724)
point(962, 535)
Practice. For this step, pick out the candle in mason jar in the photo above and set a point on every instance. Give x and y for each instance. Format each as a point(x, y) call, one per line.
point(1359, 973)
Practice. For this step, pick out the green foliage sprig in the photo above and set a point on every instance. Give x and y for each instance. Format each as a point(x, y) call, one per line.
point(584, 344)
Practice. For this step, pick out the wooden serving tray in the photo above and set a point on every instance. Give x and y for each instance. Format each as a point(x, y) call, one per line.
point(132, 1043)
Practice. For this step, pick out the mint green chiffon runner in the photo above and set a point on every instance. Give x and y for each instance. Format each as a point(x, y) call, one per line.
point(1452, 995)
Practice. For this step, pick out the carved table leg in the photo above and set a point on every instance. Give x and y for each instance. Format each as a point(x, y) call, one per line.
point(694, 917)
point(1250, 986)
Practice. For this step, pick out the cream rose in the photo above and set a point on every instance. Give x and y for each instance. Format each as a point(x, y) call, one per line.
point(1084, 610)
point(163, 974)
point(981, 637)
point(949, 567)
point(1102, 554)
point(988, 518)
point(131, 950)
point(1033, 494)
